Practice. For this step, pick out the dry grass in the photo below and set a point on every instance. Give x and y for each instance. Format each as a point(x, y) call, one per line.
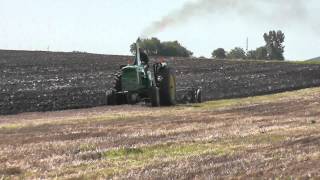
point(271, 136)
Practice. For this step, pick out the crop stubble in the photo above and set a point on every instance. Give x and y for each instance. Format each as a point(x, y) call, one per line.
point(270, 136)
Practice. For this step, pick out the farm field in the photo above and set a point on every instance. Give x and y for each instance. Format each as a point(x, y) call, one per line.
point(47, 81)
point(185, 89)
point(264, 136)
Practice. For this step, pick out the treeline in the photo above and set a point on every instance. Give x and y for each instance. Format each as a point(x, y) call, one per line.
point(154, 47)
point(272, 50)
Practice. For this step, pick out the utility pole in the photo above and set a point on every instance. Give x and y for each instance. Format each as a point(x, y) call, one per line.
point(247, 44)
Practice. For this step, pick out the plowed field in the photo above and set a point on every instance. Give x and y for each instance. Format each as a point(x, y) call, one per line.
point(47, 81)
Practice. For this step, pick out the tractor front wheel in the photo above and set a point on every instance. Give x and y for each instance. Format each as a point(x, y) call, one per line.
point(111, 98)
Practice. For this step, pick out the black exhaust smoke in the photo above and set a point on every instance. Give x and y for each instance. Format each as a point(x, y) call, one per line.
point(279, 12)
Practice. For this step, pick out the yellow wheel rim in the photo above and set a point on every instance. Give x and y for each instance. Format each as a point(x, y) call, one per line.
point(172, 86)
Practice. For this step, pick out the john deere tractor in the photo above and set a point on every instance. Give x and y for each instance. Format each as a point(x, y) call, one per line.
point(136, 82)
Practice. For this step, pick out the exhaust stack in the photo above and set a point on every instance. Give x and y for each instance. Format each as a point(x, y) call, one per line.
point(138, 60)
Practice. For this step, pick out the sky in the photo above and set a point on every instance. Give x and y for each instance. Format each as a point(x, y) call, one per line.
point(110, 26)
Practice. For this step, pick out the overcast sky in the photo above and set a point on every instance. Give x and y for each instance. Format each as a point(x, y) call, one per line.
point(110, 26)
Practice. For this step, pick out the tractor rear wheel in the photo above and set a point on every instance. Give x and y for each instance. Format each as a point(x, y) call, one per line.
point(167, 87)
point(155, 97)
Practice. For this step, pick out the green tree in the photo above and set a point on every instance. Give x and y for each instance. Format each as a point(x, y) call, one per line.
point(261, 53)
point(237, 53)
point(154, 47)
point(251, 55)
point(174, 48)
point(151, 46)
point(274, 44)
point(219, 53)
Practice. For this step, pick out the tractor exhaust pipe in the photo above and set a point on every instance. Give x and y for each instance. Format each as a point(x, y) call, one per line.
point(138, 60)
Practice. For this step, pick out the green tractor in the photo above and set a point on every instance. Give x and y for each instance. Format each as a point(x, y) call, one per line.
point(135, 83)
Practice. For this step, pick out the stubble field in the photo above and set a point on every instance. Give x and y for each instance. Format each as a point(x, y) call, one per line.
point(265, 136)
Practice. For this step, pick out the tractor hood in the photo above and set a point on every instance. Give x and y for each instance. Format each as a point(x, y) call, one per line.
point(132, 78)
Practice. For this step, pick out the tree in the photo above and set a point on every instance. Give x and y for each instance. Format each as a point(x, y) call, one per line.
point(237, 53)
point(151, 46)
point(262, 53)
point(154, 47)
point(219, 53)
point(174, 48)
point(251, 55)
point(274, 44)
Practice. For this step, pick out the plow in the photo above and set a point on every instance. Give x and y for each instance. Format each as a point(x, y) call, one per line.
point(135, 83)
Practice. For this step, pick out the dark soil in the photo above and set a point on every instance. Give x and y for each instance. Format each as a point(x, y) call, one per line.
point(47, 81)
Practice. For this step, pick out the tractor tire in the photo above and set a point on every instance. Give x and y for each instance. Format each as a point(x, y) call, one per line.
point(155, 97)
point(167, 87)
point(111, 98)
point(132, 98)
point(121, 99)
point(117, 81)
